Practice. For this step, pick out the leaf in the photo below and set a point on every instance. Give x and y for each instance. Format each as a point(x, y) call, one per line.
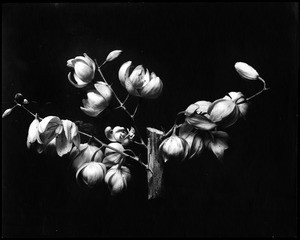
point(113, 55)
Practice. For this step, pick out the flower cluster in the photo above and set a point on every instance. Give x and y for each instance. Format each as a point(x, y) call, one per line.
point(205, 121)
point(92, 166)
point(203, 127)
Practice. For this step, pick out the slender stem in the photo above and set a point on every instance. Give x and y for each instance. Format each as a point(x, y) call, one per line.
point(264, 89)
point(102, 64)
point(175, 126)
point(135, 110)
point(99, 70)
point(122, 106)
point(126, 99)
point(31, 113)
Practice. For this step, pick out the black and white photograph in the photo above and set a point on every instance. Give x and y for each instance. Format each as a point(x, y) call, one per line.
point(139, 119)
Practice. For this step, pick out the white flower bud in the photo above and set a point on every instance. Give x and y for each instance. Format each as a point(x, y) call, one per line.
point(92, 173)
point(117, 178)
point(174, 148)
point(113, 55)
point(246, 71)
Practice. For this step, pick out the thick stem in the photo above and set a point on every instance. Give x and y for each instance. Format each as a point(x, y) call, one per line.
point(155, 165)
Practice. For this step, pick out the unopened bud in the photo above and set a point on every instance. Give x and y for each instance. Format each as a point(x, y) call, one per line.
point(174, 148)
point(246, 71)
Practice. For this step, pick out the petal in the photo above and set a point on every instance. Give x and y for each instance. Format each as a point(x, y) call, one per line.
point(79, 81)
point(136, 77)
point(114, 145)
point(97, 156)
point(95, 100)
point(63, 145)
point(83, 71)
point(221, 109)
point(109, 134)
point(118, 187)
point(185, 129)
point(201, 122)
point(91, 63)
point(130, 89)
point(71, 62)
point(104, 90)
point(153, 89)
point(91, 112)
point(32, 132)
point(197, 146)
point(112, 159)
point(113, 55)
point(119, 133)
point(74, 84)
point(49, 128)
point(191, 109)
point(76, 140)
point(67, 125)
point(79, 157)
point(203, 106)
point(124, 72)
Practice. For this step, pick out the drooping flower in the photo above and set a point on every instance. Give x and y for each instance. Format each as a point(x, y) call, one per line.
point(97, 100)
point(33, 132)
point(139, 82)
point(240, 100)
point(83, 154)
point(117, 179)
point(194, 140)
point(119, 134)
point(62, 133)
point(197, 116)
point(91, 173)
point(246, 71)
point(223, 112)
point(113, 157)
point(216, 141)
point(84, 70)
point(226, 111)
point(174, 149)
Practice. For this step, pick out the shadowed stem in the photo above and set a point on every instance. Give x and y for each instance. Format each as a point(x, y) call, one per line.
point(264, 89)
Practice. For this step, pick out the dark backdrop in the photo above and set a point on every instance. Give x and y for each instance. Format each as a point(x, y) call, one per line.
point(192, 47)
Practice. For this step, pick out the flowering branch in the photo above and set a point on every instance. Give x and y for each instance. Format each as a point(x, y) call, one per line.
point(122, 104)
point(90, 136)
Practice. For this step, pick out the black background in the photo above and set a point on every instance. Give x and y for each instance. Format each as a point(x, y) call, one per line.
point(193, 48)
